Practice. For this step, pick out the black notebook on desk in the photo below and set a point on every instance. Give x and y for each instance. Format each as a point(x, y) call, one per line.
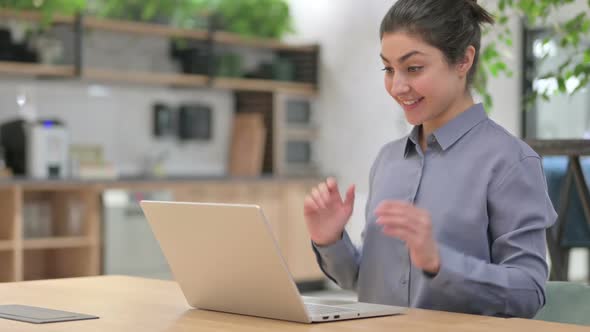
point(39, 315)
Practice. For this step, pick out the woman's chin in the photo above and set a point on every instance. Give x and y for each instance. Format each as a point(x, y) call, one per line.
point(413, 119)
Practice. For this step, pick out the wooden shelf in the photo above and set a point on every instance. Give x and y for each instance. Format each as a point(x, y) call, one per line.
point(142, 28)
point(229, 38)
point(113, 76)
point(34, 16)
point(6, 245)
point(185, 80)
point(174, 79)
point(245, 84)
point(161, 30)
point(35, 69)
point(58, 242)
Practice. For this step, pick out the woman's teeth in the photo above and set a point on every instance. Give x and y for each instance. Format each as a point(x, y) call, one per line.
point(410, 102)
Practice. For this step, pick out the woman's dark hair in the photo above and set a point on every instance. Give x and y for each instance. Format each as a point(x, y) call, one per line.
point(449, 25)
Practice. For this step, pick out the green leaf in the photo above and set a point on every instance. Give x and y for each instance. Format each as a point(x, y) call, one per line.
point(501, 66)
point(561, 84)
point(488, 102)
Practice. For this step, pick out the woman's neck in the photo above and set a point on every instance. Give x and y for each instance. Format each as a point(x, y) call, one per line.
point(456, 108)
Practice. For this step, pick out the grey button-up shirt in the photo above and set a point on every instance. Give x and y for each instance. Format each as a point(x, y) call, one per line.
point(487, 196)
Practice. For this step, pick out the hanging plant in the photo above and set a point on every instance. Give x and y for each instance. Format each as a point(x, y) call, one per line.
point(572, 36)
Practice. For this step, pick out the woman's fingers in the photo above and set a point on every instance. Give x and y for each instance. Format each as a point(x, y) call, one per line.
point(332, 185)
point(398, 222)
point(309, 205)
point(324, 193)
point(400, 233)
point(394, 208)
point(317, 197)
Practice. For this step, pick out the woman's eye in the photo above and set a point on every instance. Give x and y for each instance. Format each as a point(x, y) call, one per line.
point(388, 70)
point(414, 69)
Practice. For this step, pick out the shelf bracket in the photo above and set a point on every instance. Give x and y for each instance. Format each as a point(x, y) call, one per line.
point(78, 44)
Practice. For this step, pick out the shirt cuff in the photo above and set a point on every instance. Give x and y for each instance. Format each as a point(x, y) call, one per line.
point(340, 249)
point(451, 267)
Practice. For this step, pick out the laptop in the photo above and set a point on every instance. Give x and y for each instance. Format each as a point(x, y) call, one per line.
point(225, 258)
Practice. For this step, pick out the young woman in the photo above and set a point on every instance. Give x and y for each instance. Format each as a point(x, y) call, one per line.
point(457, 210)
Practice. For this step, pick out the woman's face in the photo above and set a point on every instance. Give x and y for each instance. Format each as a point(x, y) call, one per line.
point(419, 78)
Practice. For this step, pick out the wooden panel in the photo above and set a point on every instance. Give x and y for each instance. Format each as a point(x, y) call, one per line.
point(260, 103)
point(75, 233)
point(33, 69)
point(91, 218)
point(6, 245)
point(56, 263)
point(59, 214)
point(247, 145)
point(17, 235)
point(8, 208)
point(115, 76)
point(73, 262)
point(58, 242)
point(36, 265)
point(6, 266)
point(142, 28)
point(10, 234)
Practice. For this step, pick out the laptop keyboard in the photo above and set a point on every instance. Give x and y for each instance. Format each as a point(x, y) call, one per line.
point(319, 309)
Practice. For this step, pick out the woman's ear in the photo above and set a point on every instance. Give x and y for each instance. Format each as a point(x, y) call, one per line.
point(466, 63)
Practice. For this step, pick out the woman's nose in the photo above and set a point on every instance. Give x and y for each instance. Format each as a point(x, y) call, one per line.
point(399, 86)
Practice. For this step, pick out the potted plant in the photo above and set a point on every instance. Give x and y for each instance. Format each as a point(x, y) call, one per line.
point(244, 17)
point(181, 13)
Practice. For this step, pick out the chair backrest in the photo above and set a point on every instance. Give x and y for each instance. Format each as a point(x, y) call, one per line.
point(567, 302)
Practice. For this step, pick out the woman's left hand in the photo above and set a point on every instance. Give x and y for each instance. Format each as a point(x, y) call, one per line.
point(413, 226)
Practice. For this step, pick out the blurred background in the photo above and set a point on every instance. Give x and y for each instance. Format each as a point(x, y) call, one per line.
point(104, 103)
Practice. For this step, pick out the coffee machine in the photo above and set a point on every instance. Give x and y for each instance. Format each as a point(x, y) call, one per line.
point(37, 149)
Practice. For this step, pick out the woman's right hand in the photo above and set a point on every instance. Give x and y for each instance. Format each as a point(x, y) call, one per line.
point(326, 213)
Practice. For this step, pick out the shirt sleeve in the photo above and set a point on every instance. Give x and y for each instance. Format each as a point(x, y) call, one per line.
point(513, 283)
point(340, 261)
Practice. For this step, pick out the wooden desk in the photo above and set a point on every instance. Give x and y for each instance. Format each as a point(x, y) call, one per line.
point(136, 304)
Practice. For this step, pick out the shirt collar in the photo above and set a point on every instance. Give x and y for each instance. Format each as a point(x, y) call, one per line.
point(452, 131)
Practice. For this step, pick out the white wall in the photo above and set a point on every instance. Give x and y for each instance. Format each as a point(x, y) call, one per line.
point(357, 115)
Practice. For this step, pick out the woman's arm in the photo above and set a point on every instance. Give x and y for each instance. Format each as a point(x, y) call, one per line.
point(513, 284)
